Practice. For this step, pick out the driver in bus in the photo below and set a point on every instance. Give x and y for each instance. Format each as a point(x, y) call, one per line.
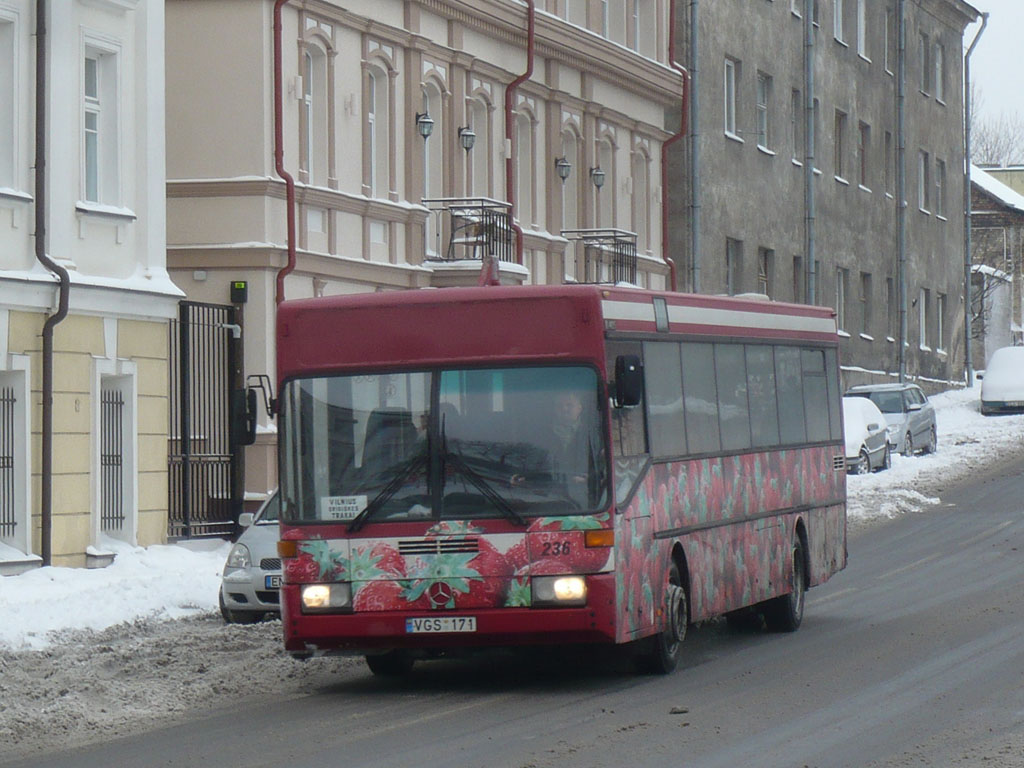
point(569, 446)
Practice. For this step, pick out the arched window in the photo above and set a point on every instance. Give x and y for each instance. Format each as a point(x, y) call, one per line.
point(606, 194)
point(378, 121)
point(433, 157)
point(313, 116)
point(480, 156)
point(571, 186)
point(525, 164)
point(641, 200)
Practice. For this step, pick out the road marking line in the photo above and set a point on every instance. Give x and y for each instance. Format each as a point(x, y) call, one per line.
point(907, 567)
point(833, 596)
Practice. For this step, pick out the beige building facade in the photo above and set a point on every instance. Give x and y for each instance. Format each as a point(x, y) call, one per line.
point(104, 212)
point(381, 203)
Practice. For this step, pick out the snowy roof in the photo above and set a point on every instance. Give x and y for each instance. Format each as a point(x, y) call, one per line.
point(996, 188)
point(985, 269)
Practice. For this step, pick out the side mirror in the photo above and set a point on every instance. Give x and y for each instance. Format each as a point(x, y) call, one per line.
point(914, 407)
point(979, 376)
point(243, 416)
point(245, 519)
point(873, 427)
point(629, 381)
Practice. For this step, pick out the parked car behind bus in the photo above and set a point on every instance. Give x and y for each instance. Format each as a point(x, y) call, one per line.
point(910, 416)
point(252, 573)
point(1002, 387)
point(866, 436)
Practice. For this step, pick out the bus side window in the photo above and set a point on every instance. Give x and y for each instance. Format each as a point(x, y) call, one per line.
point(628, 434)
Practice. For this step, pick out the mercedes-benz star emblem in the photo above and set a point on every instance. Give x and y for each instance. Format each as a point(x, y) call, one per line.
point(441, 595)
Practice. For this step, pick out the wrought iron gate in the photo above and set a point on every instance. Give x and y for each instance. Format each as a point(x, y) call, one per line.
point(205, 497)
point(111, 460)
point(7, 517)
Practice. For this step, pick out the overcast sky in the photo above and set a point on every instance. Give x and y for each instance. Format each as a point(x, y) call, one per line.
point(996, 64)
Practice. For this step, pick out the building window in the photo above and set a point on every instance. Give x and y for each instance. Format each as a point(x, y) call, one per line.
point(733, 265)
point(940, 187)
point(606, 195)
point(434, 159)
point(862, 28)
point(889, 161)
point(924, 315)
point(765, 267)
point(865, 303)
point(8, 103)
point(890, 40)
point(378, 120)
point(796, 124)
point(923, 52)
point(641, 202)
point(798, 279)
point(313, 116)
point(840, 145)
point(923, 181)
point(837, 21)
point(863, 152)
point(764, 92)
point(100, 140)
point(479, 168)
point(939, 54)
point(842, 278)
point(796, 7)
point(890, 307)
point(731, 75)
point(570, 187)
point(940, 322)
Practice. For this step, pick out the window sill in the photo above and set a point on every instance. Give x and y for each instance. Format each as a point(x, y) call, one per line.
point(940, 101)
point(841, 42)
point(15, 196)
point(940, 217)
point(764, 150)
point(924, 93)
point(862, 57)
point(817, 171)
point(925, 211)
point(123, 215)
point(889, 72)
point(924, 348)
point(890, 339)
point(866, 337)
point(862, 188)
point(841, 180)
point(796, 162)
point(843, 334)
point(890, 195)
point(734, 137)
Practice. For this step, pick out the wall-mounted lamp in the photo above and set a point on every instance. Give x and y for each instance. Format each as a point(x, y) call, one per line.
point(563, 168)
point(597, 176)
point(424, 124)
point(467, 138)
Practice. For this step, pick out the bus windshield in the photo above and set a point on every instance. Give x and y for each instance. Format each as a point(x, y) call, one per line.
point(443, 444)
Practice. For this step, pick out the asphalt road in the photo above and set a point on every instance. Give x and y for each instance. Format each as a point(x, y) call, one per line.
point(914, 655)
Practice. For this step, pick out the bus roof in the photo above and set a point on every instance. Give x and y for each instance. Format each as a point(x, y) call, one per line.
point(427, 327)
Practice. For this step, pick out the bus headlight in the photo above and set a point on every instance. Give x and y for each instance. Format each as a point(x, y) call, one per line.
point(326, 598)
point(559, 590)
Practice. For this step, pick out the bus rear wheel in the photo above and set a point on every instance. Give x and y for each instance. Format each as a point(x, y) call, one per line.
point(390, 664)
point(666, 648)
point(785, 613)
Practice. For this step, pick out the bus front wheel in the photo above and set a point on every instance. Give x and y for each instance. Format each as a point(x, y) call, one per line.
point(784, 613)
point(390, 664)
point(665, 649)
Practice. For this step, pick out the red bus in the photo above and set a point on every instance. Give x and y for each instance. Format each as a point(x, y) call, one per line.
point(497, 466)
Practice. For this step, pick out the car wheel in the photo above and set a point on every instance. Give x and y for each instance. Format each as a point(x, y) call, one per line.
point(886, 460)
point(666, 648)
point(908, 445)
point(785, 613)
point(863, 463)
point(237, 617)
point(933, 441)
point(390, 664)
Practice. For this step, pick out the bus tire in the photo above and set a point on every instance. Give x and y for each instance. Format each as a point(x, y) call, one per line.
point(666, 648)
point(786, 612)
point(390, 664)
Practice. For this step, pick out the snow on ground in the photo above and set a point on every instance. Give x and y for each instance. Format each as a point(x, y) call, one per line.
point(87, 655)
point(172, 582)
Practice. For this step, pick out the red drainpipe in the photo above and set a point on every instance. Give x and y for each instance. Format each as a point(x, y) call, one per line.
point(683, 127)
point(510, 91)
point(279, 152)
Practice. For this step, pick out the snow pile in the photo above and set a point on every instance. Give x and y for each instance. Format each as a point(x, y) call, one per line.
point(44, 606)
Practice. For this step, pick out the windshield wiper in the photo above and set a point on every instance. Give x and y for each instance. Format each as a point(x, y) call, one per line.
point(474, 477)
point(389, 490)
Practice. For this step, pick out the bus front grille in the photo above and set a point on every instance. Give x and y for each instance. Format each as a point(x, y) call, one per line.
point(437, 546)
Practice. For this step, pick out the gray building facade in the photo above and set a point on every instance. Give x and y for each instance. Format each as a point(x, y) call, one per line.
point(787, 159)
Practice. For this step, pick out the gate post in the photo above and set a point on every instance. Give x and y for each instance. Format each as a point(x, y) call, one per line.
point(185, 382)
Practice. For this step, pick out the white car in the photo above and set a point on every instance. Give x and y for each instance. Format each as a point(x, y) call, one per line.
point(251, 581)
point(910, 416)
point(864, 430)
point(1002, 386)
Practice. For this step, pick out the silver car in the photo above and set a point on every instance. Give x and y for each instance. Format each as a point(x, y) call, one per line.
point(911, 418)
point(249, 588)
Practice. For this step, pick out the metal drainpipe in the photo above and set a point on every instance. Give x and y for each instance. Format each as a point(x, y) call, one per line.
point(694, 125)
point(279, 152)
point(809, 153)
point(683, 116)
point(901, 182)
point(510, 91)
point(46, 489)
point(968, 363)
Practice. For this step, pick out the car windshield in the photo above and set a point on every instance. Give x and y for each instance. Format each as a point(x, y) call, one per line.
point(887, 402)
point(270, 511)
point(449, 444)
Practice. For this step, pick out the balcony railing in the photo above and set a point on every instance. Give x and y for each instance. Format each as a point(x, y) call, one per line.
point(602, 255)
point(471, 228)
